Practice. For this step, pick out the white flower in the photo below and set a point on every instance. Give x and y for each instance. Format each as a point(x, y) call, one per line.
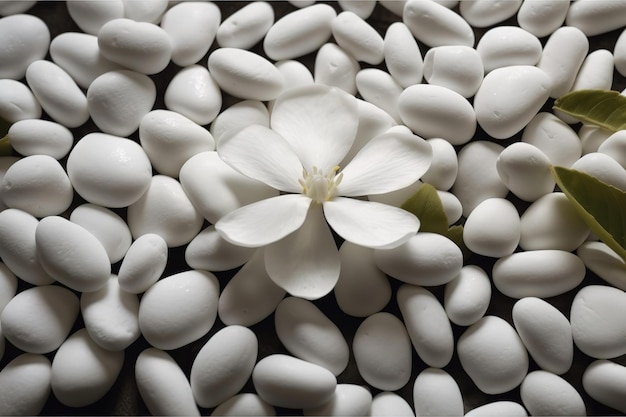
point(312, 129)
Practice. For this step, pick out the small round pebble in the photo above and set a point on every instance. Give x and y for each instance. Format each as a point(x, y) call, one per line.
point(348, 400)
point(210, 251)
point(40, 137)
point(194, 93)
point(144, 262)
point(26, 40)
point(244, 404)
point(546, 394)
point(467, 297)
point(25, 385)
point(493, 228)
point(605, 382)
point(436, 393)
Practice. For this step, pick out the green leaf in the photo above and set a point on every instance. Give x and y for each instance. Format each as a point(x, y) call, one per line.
point(427, 206)
point(603, 108)
point(600, 205)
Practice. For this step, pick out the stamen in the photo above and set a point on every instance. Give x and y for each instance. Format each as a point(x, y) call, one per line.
point(318, 186)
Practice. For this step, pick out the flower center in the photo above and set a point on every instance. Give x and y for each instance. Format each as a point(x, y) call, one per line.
point(320, 186)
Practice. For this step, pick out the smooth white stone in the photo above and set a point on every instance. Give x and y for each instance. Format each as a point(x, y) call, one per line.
point(541, 17)
point(614, 146)
point(603, 167)
point(295, 73)
point(194, 93)
point(378, 87)
point(223, 365)
point(508, 45)
point(209, 251)
point(467, 297)
point(25, 40)
point(10, 7)
point(239, 115)
point(358, 38)
point(552, 222)
point(493, 355)
point(118, 100)
point(170, 139)
point(285, 381)
point(334, 67)
point(525, 170)
point(308, 334)
point(619, 54)
point(604, 262)
point(597, 327)
point(382, 351)
point(246, 27)
point(244, 404)
point(110, 316)
point(436, 25)
point(5, 163)
point(145, 10)
point(427, 325)
point(8, 286)
point(538, 273)
point(451, 206)
point(493, 228)
point(362, 8)
point(39, 319)
point(605, 382)
point(554, 138)
point(71, 254)
point(498, 409)
point(143, 264)
point(403, 57)
point(432, 111)
point(179, 309)
point(546, 333)
point(108, 170)
point(348, 400)
point(387, 403)
point(596, 71)
point(436, 393)
point(17, 102)
point(57, 93)
point(426, 259)
point(25, 384)
point(509, 97)
point(164, 209)
point(596, 17)
point(483, 13)
point(107, 226)
point(192, 27)
point(457, 67)
point(91, 15)
point(40, 137)
point(162, 384)
point(82, 371)
point(544, 393)
point(300, 32)
point(38, 185)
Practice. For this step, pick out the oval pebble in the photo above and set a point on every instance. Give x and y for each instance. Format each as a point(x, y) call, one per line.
point(508, 45)
point(538, 273)
point(619, 54)
point(17, 102)
point(26, 40)
point(554, 138)
point(40, 137)
point(90, 16)
point(525, 170)
point(605, 382)
point(239, 115)
point(25, 384)
point(295, 74)
point(493, 228)
point(244, 404)
point(498, 409)
point(444, 165)
point(145, 10)
point(163, 385)
point(223, 365)
point(467, 297)
point(614, 146)
point(596, 72)
point(595, 18)
point(210, 251)
point(436, 393)
point(363, 9)
point(110, 316)
point(540, 17)
point(546, 333)
point(38, 185)
point(483, 13)
point(603, 167)
point(246, 27)
point(493, 355)
point(194, 93)
point(604, 262)
point(82, 371)
point(379, 88)
point(143, 264)
point(457, 67)
point(387, 403)
point(39, 319)
point(597, 327)
point(435, 25)
point(179, 309)
point(358, 38)
point(348, 400)
point(336, 68)
point(285, 381)
point(403, 57)
point(591, 137)
point(546, 394)
point(425, 259)
point(308, 334)
point(382, 351)
point(71, 254)
point(109, 171)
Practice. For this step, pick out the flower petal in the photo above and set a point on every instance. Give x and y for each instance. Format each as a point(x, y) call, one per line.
point(388, 162)
point(306, 263)
point(260, 153)
point(319, 122)
point(264, 222)
point(370, 224)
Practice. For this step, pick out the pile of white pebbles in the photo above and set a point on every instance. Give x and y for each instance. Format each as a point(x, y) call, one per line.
point(117, 295)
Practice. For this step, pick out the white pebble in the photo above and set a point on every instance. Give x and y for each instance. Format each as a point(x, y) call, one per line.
point(25, 384)
point(162, 384)
point(191, 27)
point(223, 365)
point(544, 393)
point(11, 7)
point(57, 93)
point(605, 382)
point(509, 97)
point(596, 72)
point(426, 259)
point(498, 409)
point(546, 333)
point(38, 185)
point(614, 146)
point(597, 327)
point(362, 8)
point(143, 264)
point(244, 404)
point(379, 88)
point(107, 226)
point(591, 137)
point(541, 17)
point(552, 222)
point(596, 17)
point(90, 16)
point(39, 319)
point(238, 116)
point(604, 262)
point(348, 400)
point(210, 251)
point(525, 170)
point(457, 67)
point(427, 325)
point(119, 99)
point(82, 371)
point(245, 74)
point(308, 334)
point(467, 297)
point(179, 309)
point(387, 403)
point(493, 355)
point(17, 102)
point(5, 163)
point(25, 40)
point(436, 25)
point(554, 138)
point(246, 26)
point(110, 316)
point(36, 136)
point(436, 393)
point(358, 38)
point(483, 13)
point(508, 45)
point(295, 73)
point(538, 273)
point(285, 381)
point(603, 167)
point(382, 351)
point(402, 54)
point(145, 10)
point(300, 32)
point(170, 139)
point(334, 67)
point(108, 170)
point(432, 111)
point(492, 228)
point(619, 54)
point(451, 206)
point(194, 93)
